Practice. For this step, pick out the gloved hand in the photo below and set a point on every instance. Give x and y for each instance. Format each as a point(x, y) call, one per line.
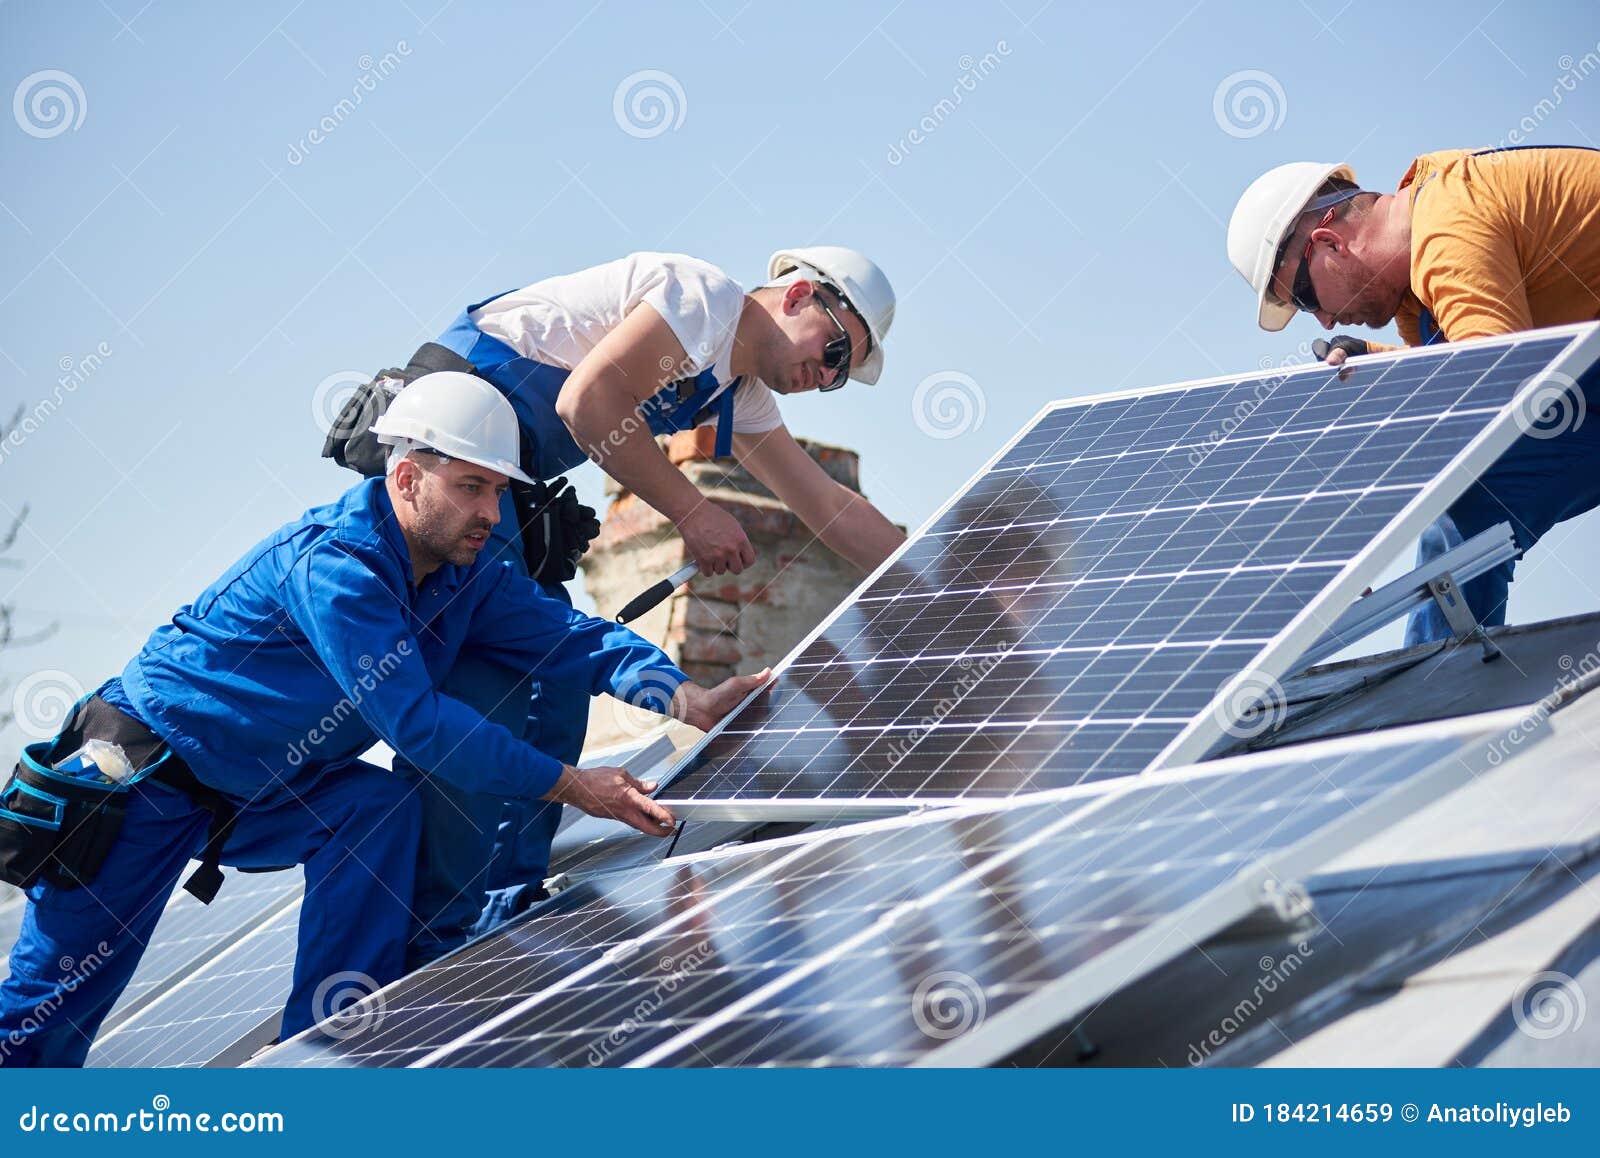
point(1335, 350)
point(556, 532)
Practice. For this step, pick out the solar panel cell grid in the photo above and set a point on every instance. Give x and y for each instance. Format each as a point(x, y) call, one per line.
point(1086, 597)
point(821, 953)
point(213, 1007)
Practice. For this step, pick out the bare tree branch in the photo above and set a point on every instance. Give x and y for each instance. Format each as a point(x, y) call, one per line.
point(9, 635)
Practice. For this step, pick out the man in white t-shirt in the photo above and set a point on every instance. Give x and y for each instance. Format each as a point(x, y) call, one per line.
point(597, 364)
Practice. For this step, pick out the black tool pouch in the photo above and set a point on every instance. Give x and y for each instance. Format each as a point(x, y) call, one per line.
point(56, 826)
point(350, 442)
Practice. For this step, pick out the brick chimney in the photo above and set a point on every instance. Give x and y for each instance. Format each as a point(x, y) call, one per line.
point(722, 625)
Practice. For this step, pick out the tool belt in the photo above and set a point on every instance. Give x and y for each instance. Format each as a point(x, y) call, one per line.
point(556, 528)
point(60, 827)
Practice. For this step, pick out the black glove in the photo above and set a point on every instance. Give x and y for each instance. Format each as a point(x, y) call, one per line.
point(556, 529)
point(1354, 347)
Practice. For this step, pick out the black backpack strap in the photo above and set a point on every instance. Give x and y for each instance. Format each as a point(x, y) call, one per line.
point(431, 358)
point(204, 882)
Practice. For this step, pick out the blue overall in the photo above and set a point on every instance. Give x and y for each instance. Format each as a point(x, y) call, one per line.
point(481, 854)
point(355, 830)
point(308, 650)
point(1536, 484)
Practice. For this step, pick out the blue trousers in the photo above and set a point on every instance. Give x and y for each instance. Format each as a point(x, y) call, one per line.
point(1537, 483)
point(356, 833)
point(481, 855)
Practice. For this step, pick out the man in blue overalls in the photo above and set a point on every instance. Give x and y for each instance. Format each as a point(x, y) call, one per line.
point(1472, 243)
point(255, 701)
point(597, 364)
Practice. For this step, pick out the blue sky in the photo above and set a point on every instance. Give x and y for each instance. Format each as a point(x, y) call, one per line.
point(197, 264)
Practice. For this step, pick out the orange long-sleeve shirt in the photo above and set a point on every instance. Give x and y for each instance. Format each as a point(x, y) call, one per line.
point(1502, 241)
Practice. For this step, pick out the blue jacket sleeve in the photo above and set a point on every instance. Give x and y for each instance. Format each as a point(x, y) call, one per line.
point(346, 605)
point(519, 624)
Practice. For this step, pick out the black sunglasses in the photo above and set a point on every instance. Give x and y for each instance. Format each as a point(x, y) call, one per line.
point(839, 354)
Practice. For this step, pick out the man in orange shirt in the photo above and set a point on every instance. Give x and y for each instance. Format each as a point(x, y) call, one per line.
point(1471, 244)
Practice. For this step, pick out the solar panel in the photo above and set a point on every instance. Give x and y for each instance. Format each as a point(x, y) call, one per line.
point(219, 1012)
point(960, 934)
point(190, 933)
point(1074, 612)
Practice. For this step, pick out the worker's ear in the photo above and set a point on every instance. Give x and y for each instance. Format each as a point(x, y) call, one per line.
point(1329, 237)
point(408, 479)
point(797, 296)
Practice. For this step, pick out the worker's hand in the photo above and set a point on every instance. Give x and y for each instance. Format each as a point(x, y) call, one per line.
point(615, 795)
point(702, 707)
point(1334, 351)
point(716, 540)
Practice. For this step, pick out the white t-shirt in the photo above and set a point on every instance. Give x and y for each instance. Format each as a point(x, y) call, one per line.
point(557, 321)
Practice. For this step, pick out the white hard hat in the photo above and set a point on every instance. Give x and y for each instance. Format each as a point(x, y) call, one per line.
point(1265, 215)
point(861, 282)
point(460, 416)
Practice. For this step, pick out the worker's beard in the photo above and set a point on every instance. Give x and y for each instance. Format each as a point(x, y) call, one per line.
point(1377, 298)
point(440, 530)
